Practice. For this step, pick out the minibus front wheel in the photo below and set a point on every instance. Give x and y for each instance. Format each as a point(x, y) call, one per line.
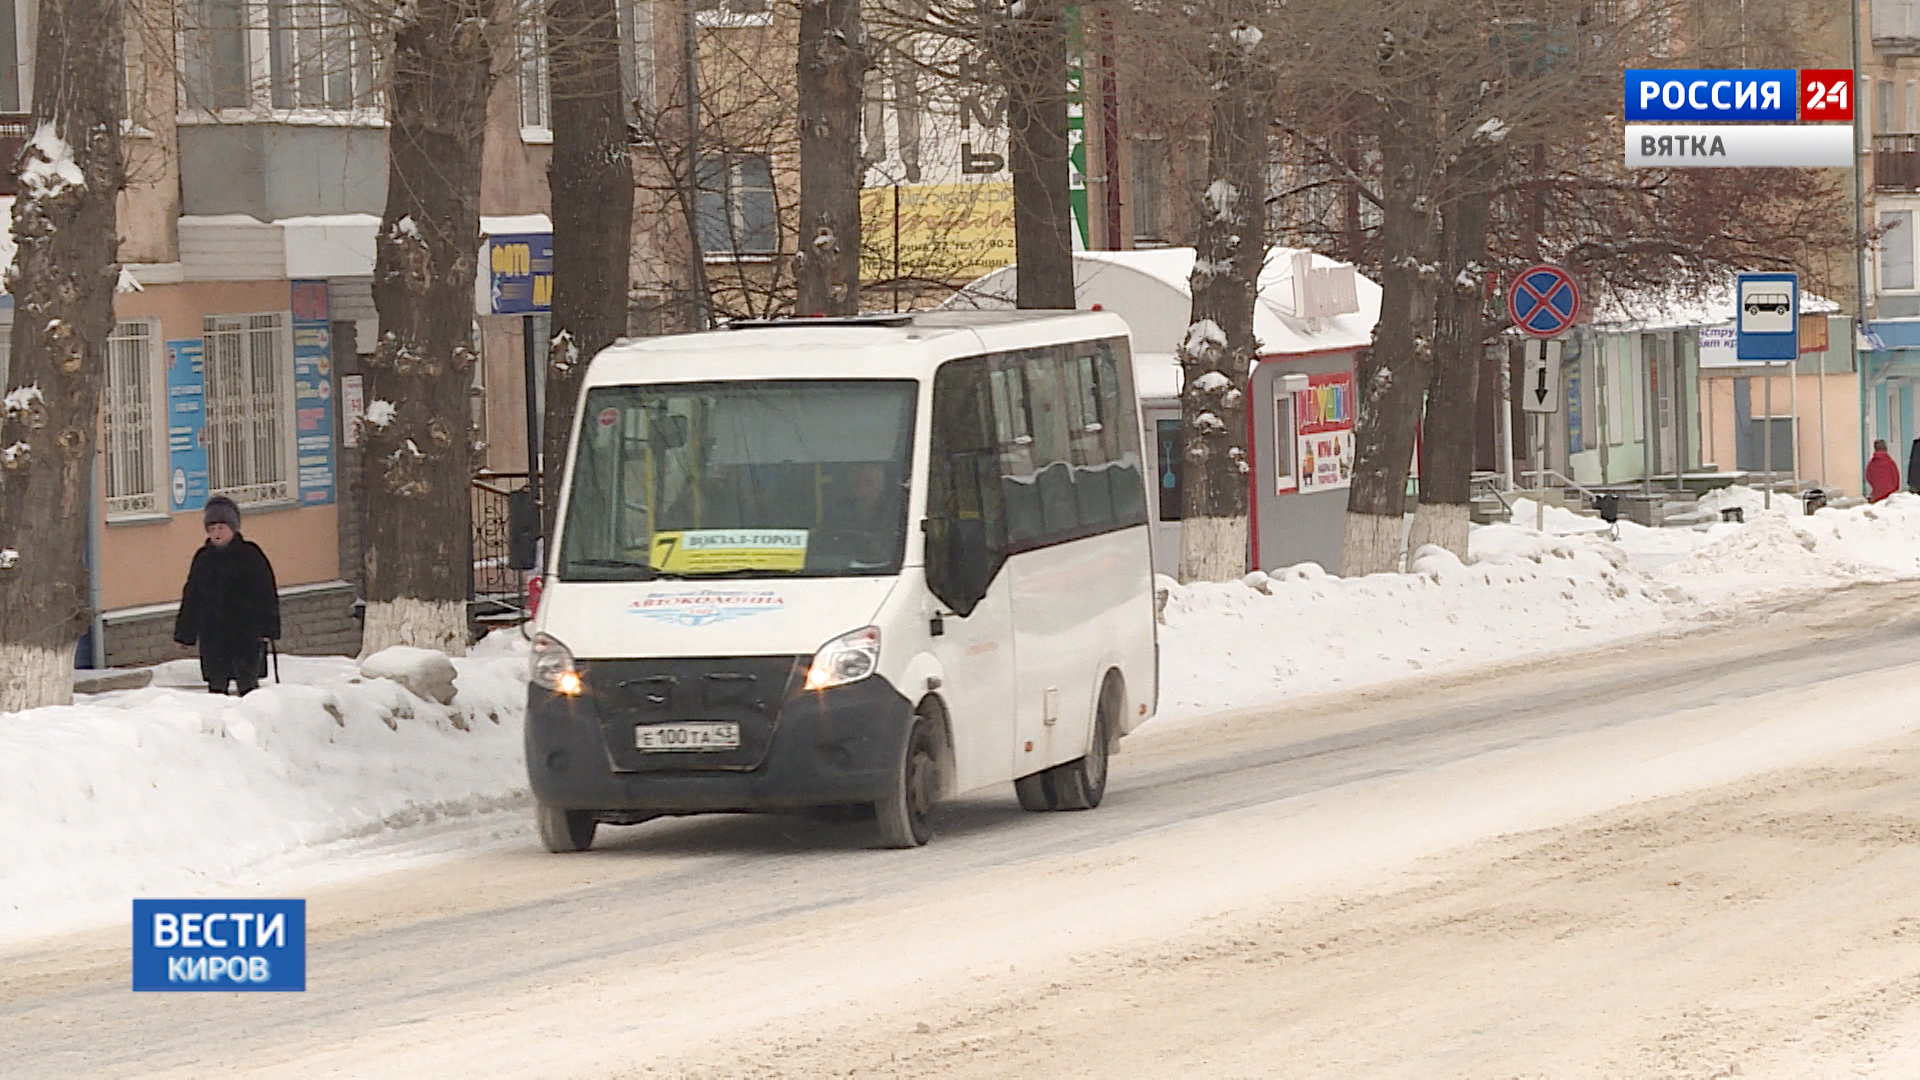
point(564, 830)
point(902, 817)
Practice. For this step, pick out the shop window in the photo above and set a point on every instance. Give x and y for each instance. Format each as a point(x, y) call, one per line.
point(1286, 446)
point(130, 421)
point(249, 368)
point(1167, 436)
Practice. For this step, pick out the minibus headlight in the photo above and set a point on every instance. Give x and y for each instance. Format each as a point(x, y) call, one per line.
point(553, 668)
point(846, 659)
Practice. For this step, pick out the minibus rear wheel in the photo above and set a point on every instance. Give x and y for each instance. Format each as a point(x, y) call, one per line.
point(1081, 784)
point(902, 817)
point(564, 830)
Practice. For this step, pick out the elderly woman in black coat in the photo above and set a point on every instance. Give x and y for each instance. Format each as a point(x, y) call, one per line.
point(231, 605)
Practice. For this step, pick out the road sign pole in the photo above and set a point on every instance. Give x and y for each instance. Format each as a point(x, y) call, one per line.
point(1766, 452)
point(1540, 485)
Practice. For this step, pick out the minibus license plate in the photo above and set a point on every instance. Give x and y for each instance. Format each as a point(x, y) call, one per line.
point(710, 735)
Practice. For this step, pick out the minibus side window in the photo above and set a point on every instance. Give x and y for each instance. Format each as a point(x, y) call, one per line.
point(966, 526)
point(1080, 474)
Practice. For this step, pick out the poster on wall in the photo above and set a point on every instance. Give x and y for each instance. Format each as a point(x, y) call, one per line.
point(313, 392)
point(1323, 418)
point(186, 425)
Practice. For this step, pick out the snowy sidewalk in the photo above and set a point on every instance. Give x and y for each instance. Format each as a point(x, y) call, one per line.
point(169, 790)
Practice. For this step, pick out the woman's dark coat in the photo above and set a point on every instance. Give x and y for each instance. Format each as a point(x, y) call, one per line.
point(230, 603)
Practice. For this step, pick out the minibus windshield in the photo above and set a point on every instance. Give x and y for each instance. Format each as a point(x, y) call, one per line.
point(762, 479)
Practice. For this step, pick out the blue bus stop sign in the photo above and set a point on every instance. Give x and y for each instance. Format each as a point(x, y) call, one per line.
point(1767, 319)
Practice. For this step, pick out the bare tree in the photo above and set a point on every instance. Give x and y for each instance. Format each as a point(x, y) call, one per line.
point(591, 181)
point(1217, 354)
point(419, 451)
point(832, 70)
point(62, 279)
point(1028, 43)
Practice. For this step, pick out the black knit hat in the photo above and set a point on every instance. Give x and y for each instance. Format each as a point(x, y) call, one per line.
point(221, 508)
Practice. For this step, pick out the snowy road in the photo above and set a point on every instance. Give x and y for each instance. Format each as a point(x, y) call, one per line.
point(1673, 857)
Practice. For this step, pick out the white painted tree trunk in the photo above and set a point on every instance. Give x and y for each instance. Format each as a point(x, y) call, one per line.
point(422, 624)
point(1441, 524)
point(1213, 548)
point(31, 676)
point(1372, 544)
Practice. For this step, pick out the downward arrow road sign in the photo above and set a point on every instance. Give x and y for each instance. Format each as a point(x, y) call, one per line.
point(1542, 393)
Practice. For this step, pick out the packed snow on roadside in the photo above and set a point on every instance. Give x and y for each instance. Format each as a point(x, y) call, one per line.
point(1524, 594)
point(170, 790)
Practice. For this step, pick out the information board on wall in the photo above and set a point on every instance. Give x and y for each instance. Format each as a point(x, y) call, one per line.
point(186, 425)
point(313, 393)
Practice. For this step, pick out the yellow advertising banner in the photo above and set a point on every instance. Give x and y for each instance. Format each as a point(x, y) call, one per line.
point(946, 232)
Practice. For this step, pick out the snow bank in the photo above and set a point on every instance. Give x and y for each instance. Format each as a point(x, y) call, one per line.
point(170, 790)
point(1231, 646)
point(1299, 631)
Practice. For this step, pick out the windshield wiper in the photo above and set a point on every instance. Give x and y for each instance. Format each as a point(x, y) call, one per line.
point(611, 564)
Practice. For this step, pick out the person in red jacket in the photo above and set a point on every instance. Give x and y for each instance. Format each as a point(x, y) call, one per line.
point(1883, 473)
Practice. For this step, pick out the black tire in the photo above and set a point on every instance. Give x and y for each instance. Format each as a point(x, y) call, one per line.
point(1036, 792)
point(1081, 784)
point(902, 817)
point(565, 831)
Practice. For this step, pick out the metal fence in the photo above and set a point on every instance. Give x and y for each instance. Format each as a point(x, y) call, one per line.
point(504, 524)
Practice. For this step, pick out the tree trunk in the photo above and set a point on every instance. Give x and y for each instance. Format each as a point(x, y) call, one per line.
point(1451, 422)
point(419, 463)
point(1032, 57)
point(1218, 351)
point(62, 281)
point(1393, 373)
point(832, 73)
point(591, 179)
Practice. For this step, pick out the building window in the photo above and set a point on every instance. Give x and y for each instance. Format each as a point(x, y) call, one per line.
point(249, 363)
point(12, 96)
point(534, 100)
point(636, 56)
point(734, 13)
point(282, 55)
point(129, 421)
point(1148, 173)
point(1885, 107)
point(218, 73)
point(320, 59)
point(736, 211)
point(1896, 250)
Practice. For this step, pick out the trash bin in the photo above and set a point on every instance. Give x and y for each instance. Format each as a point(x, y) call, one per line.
point(1735, 514)
point(1815, 498)
point(1608, 505)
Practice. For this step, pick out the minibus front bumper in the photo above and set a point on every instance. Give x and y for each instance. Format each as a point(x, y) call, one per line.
point(816, 748)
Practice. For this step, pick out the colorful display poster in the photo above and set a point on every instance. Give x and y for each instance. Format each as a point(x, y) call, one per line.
point(186, 425)
point(313, 393)
point(1323, 421)
point(520, 273)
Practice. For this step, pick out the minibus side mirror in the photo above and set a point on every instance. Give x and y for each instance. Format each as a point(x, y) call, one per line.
point(959, 562)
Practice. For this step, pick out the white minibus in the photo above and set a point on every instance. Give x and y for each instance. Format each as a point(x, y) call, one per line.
point(846, 565)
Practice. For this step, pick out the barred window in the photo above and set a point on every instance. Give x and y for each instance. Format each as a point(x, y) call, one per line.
point(130, 421)
point(249, 366)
